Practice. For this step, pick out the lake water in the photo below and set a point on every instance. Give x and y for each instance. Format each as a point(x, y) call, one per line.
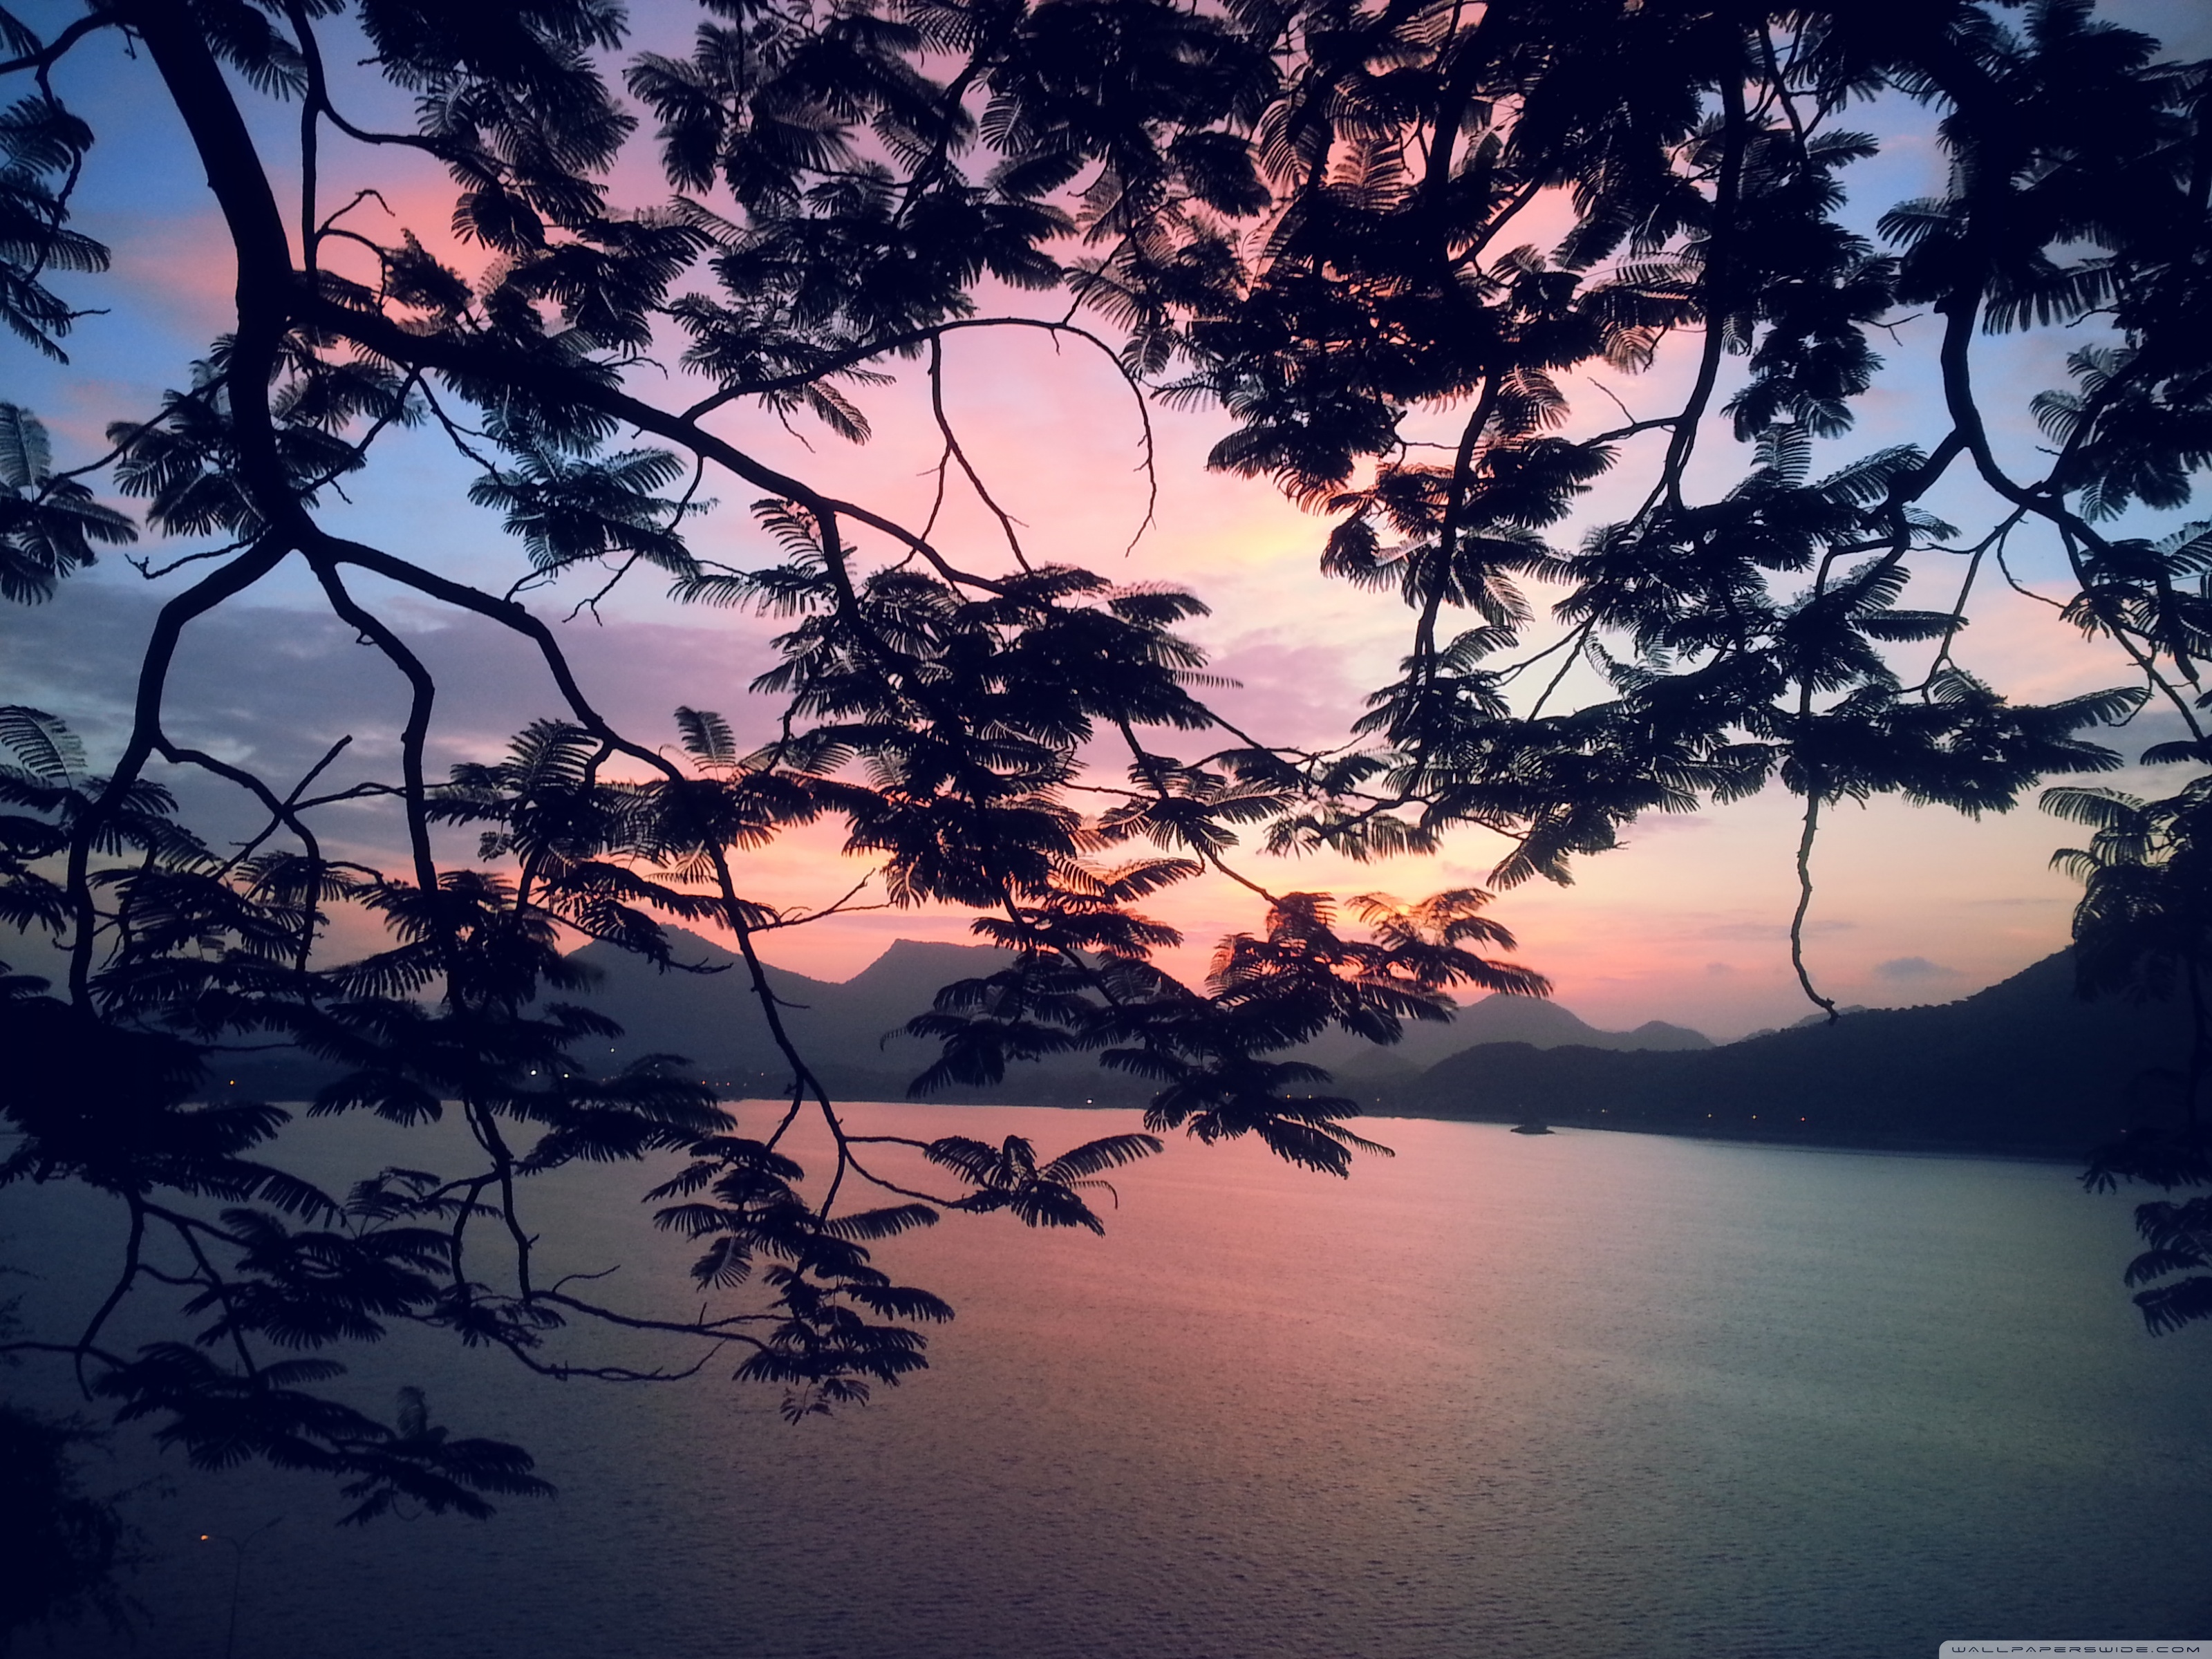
point(1589, 1396)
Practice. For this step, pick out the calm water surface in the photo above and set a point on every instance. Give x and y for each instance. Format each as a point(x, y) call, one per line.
point(1593, 1396)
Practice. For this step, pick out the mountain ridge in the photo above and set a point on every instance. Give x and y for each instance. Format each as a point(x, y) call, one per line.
point(2022, 1065)
point(849, 1029)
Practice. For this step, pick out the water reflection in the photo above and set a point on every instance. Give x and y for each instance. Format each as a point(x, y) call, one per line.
point(1564, 1397)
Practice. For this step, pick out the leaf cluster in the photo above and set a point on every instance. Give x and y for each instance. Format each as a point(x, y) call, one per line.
point(1317, 218)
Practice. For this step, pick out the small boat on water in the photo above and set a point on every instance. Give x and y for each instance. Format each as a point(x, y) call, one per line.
point(1534, 1125)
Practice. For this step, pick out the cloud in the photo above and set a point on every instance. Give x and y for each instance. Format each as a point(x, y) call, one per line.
point(1912, 970)
point(1295, 692)
point(1661, 823)
point(271, 689)
point(1768, 929)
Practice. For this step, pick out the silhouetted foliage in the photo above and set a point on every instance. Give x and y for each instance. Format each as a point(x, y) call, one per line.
point(64, 1546)
point(2143, 930)
point(1309, 216)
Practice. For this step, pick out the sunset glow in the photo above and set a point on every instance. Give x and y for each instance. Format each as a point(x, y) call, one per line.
point(1685, 923)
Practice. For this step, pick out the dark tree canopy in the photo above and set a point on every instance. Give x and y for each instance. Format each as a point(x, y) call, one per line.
point(1381, 240)
point(64, 1545)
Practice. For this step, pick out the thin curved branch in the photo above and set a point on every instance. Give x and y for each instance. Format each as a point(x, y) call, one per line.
point(60, 46)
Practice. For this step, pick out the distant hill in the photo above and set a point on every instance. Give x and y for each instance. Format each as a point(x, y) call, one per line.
point(1496, 1019)
point(2023, 1065)
point(847, 1030)
point(850, 1030)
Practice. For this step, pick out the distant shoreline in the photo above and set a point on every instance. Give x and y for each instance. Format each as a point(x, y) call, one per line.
point(1892, 1146)
point(1896, 1147)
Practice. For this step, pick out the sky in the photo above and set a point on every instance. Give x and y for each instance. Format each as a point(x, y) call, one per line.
point(1686, 922)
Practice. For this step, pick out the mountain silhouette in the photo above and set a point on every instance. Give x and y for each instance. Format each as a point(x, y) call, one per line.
point(1495, 1019)
point(849, 1031)
point(2023, 1067)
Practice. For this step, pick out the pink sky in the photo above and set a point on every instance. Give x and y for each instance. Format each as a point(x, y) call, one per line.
point(1685, 923)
